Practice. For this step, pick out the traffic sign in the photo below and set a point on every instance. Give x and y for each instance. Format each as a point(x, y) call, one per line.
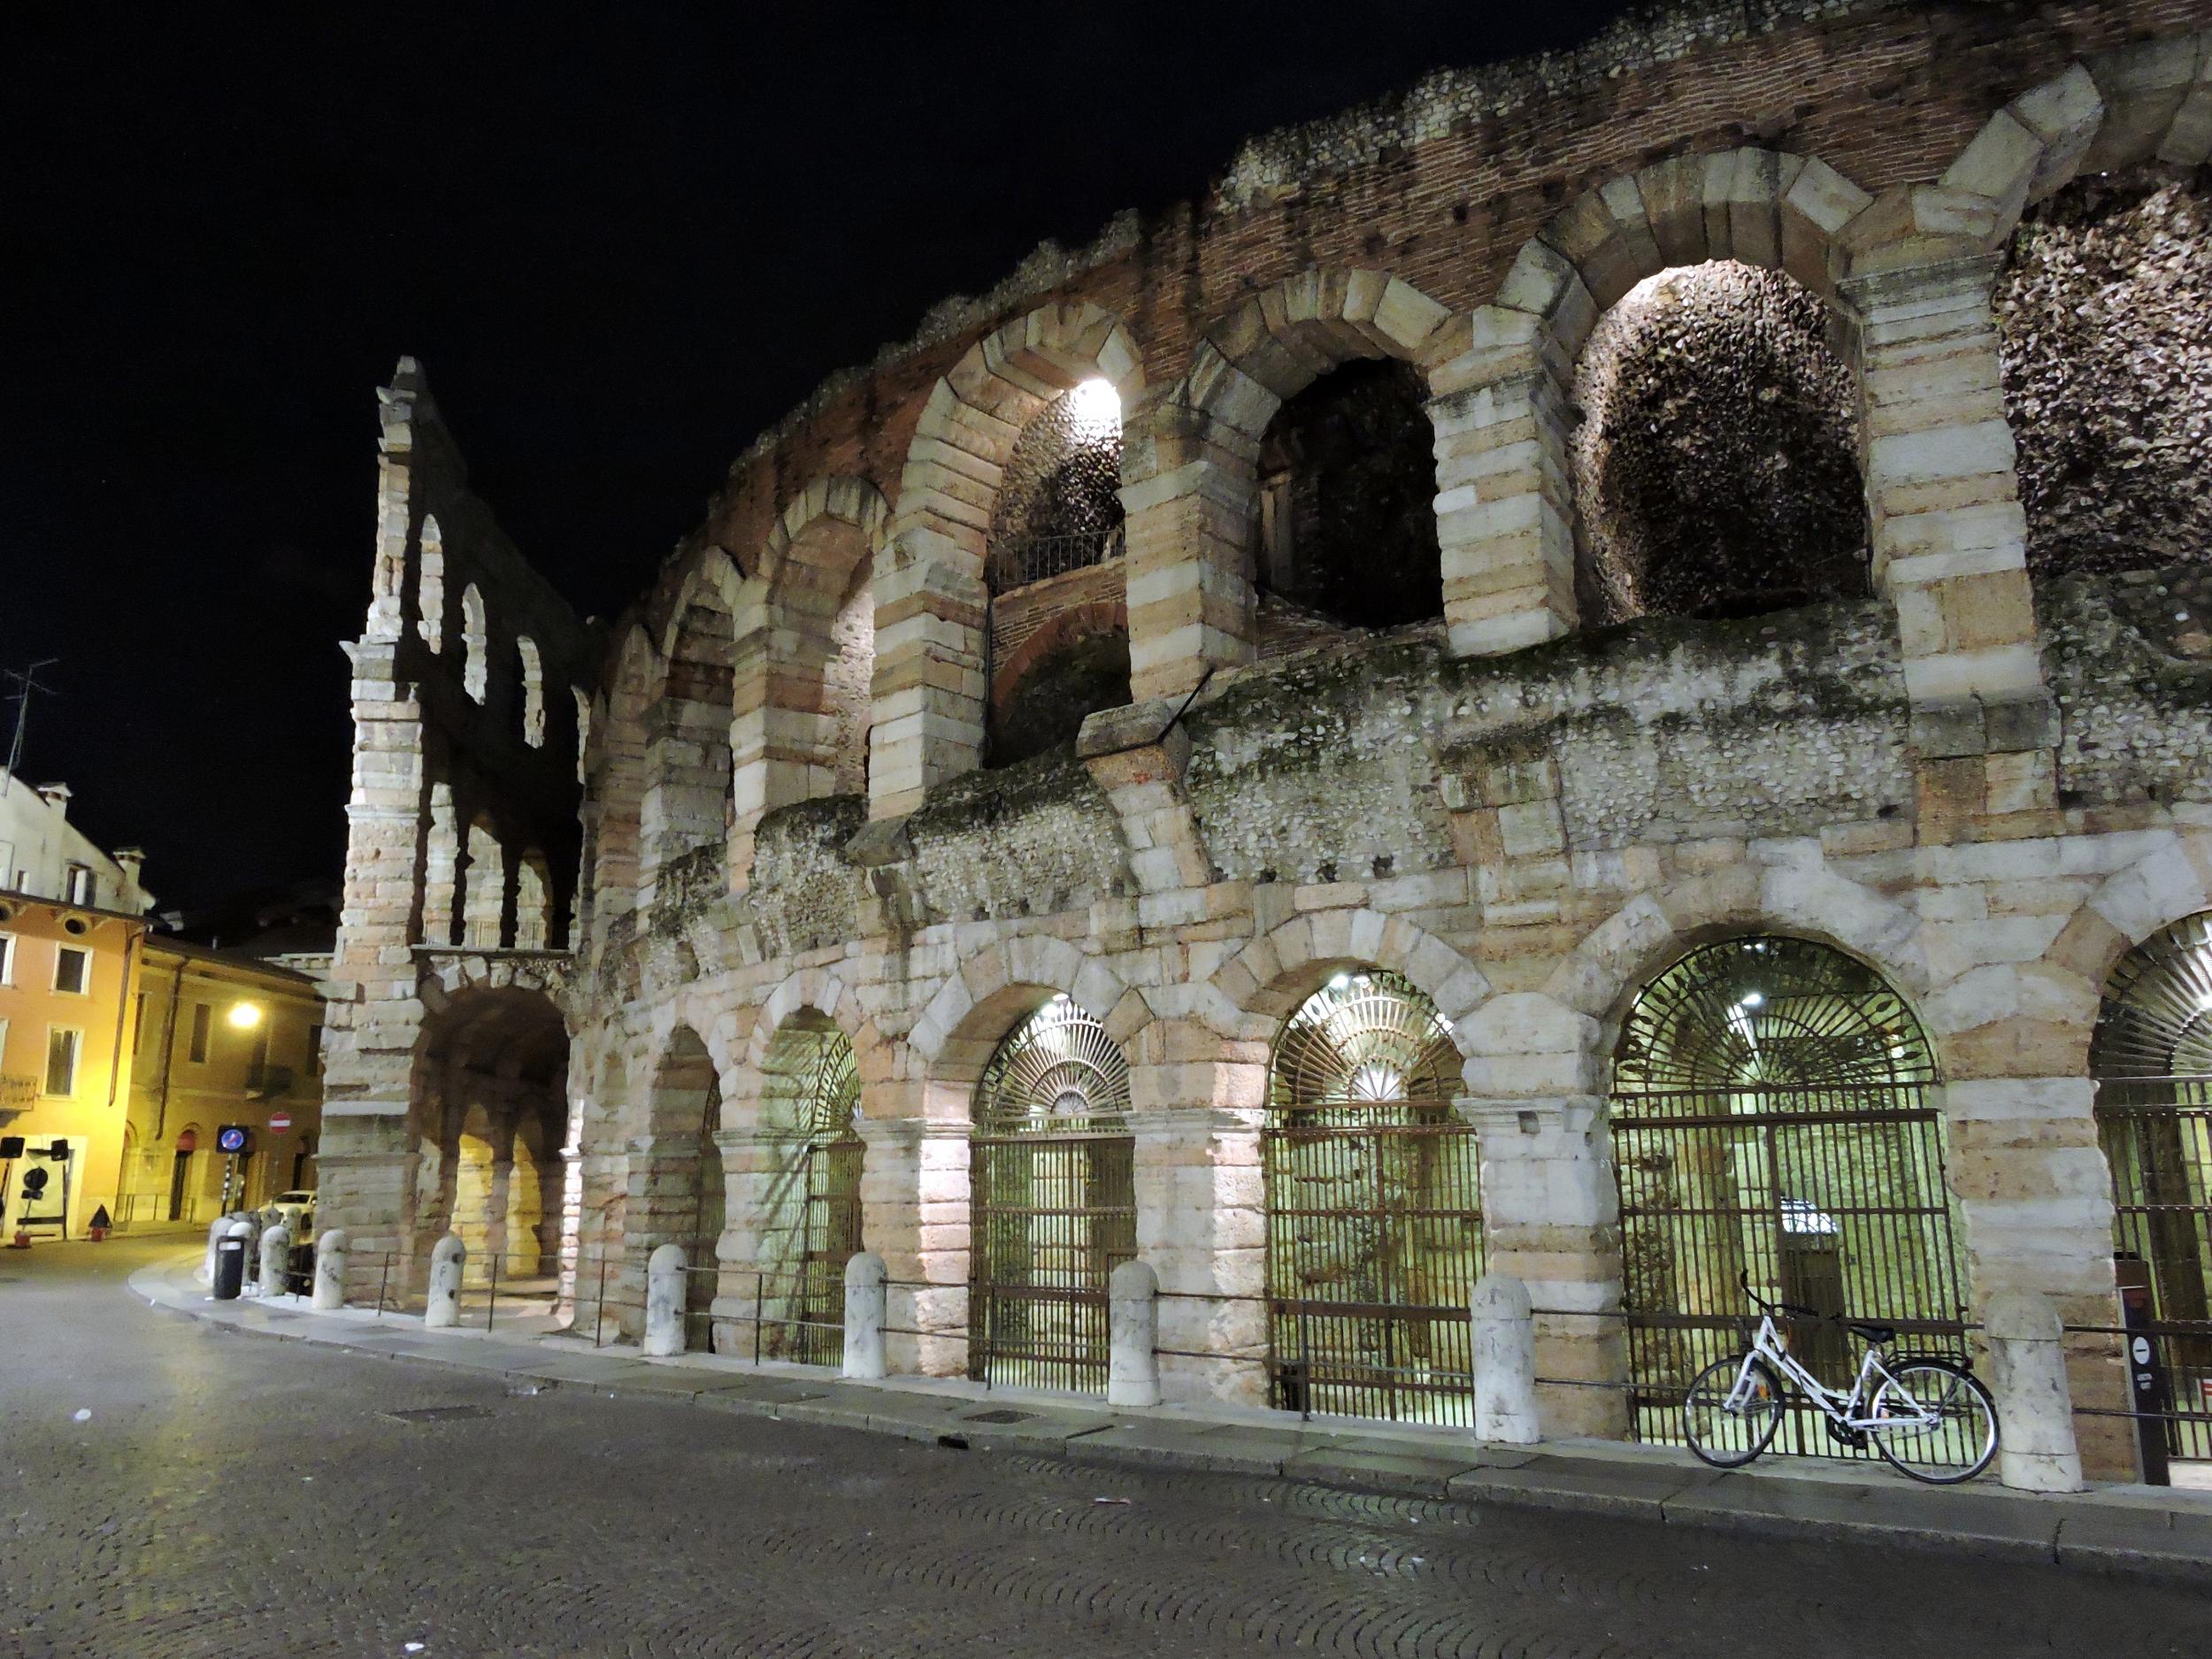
point(232, 1138)
point(278, 1122)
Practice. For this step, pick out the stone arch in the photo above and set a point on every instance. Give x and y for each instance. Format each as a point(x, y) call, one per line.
point(677, 1192)
point(615, 799)
point(806, 666)
point(1033, 707)
point(532, 676)
point(1203, 441)
point(974, 1009)
point(822, 991)
point(686, 801)
point(932, 606)
point(1250, 996)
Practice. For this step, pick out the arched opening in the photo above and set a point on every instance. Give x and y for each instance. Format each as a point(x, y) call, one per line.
point(1374, 1212)
point(1771, 1121)
point(1054, 553)
point(2104, 316)
point(489, 1101)
point(678, 1193)
point(686, 808)
point(2152, 1060)
point(616, 795)
point(1053, 1209)
point(442, 870)
point(1714, 450)
point(484, 890)
point(583, 731)
point(475, 643)
point(809, 1223)
point(533, 691)
point(183, 1194)
point(1346, 526)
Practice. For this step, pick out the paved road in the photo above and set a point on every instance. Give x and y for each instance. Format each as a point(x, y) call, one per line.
point(234, 1496)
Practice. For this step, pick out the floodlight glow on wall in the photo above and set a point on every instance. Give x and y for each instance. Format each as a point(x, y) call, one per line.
point(1097, 408)
point(244, 1016)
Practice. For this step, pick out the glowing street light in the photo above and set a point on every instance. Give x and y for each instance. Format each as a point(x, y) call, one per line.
point(245, 1016)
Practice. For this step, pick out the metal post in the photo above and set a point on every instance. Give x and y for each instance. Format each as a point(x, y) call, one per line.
point(599, 1311)
point(382, 1283)
point(491, 1308)
point(759, 1286)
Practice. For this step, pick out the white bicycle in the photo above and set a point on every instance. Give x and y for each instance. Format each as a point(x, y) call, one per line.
point(1929, 1416)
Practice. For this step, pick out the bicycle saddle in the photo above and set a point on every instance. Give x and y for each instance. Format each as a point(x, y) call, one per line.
point(1877, 1334)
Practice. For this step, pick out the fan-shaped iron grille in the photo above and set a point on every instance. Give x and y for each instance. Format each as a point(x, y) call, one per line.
point(1374, 1221)
point(819, 1198)
point(1770, 1119)
point(2152, 1059)
point(1052, 1184)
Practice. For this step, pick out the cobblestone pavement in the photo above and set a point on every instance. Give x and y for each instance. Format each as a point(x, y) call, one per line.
point(237, 1496)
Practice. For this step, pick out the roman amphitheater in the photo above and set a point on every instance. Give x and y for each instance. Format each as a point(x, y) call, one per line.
point(1602, 672)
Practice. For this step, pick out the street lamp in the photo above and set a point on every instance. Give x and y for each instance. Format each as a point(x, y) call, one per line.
point(245, 1016)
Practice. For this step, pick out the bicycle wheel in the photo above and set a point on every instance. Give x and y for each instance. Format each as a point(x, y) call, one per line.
point(1726, 1437)
point(1944, 1423)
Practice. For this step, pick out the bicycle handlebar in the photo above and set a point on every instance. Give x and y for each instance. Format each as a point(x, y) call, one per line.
point(1743, 1281)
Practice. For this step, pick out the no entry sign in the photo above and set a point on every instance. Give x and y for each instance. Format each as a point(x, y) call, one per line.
point(278, 1122)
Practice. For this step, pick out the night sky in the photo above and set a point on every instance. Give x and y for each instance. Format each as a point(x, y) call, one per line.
point(223, 228)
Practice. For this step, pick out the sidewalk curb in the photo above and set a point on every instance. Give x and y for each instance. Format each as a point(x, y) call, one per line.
point(2110, 1534)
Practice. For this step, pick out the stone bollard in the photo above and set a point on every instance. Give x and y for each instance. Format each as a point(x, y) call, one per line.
point(665, 1301)
point(1505, 1361)
point(1132, 1305)
point(864, 1297)
point(446, 1261)
point(276, 1259)
point(330, 1272)
point(2035, 1408)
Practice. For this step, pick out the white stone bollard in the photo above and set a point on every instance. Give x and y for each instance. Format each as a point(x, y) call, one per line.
point(864, 1298)
point(665, 1301)
point(1132, 1311)
point(276, 1259)
point(330, 1271)
point(1505, 1361)
point(446, 1261)
point(2035, 1408)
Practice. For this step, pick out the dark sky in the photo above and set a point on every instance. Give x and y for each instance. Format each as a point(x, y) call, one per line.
point(622, 240)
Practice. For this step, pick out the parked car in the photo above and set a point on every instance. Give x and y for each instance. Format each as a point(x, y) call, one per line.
point(295, 1210)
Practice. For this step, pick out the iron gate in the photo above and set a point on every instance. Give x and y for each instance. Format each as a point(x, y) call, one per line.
point(2152, 1058)
point(825, 1234)
point(1053, 1211)
point(1771, 1121)
point(1374, 1223)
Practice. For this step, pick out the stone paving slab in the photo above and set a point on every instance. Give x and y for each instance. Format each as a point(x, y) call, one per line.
point(2140, 1532)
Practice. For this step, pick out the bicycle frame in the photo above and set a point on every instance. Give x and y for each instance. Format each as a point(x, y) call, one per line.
point(1847, 1408)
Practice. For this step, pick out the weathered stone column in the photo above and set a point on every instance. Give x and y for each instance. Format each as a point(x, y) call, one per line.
point(1202, 1225)
point(914, 1199)
point(1187, 500)
point(665, 1333)
point(687, 765)
point(2036, 1197)
point(931, 607)
point(2035, 1411)
point(448, 1260)
point(1133, 1374)
point(1551, 1219)
point(763, 1233)
point(662, 1206)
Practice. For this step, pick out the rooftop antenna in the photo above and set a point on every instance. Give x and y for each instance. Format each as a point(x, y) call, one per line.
point(27, 682)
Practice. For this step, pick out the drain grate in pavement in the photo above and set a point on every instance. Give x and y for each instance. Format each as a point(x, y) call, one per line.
point(1000, 1415)
point(439, 1414)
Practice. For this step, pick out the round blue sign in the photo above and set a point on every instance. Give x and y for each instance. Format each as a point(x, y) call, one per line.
point(231, 1138)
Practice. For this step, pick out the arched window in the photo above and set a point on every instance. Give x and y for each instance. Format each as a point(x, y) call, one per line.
point(441, 868)
point(533, 691)
point(811, 1225)
point(2152, 1060)
point(1716, 454)
point(1347, 509)
point(430, 586)
point(1770, 1120)
point(1374, 1214)
point(687, 803)
point(1055, 542)
point(1052, 1202)
point(534, 902)
point(475, 672)
point(583, 730)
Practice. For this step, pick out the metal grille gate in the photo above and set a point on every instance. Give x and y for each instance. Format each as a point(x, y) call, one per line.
point(1052, 1194)
point(1770, 1120)
point(824, 1233)
point(2152, 1058)
point(1374, 1237)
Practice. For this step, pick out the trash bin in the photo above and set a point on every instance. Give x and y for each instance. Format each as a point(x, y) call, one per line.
point(230, 1266)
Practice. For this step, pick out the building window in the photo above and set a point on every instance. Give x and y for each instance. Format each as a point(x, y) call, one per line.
point(474, 673)
point(73, 970)
point(77, 886)
point(138, 1023)
point(203, 1020)
point(63, 1045)
point(533, 692)
point(314, 1051)
point(7, 958)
